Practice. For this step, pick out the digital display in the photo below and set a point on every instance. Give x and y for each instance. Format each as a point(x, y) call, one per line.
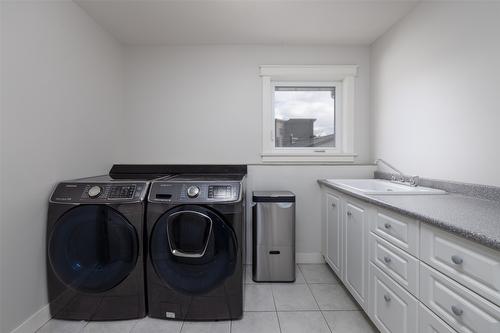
point(219, 191)
point(122, 192)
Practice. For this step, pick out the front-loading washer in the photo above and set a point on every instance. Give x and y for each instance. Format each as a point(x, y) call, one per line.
point(95, 262)
point(195, 227)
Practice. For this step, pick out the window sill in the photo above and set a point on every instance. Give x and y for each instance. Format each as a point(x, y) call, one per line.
point(274, 157)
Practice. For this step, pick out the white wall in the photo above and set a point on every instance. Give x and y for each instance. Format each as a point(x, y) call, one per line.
point(435, 90)
point(61, 104)
point(203, 104)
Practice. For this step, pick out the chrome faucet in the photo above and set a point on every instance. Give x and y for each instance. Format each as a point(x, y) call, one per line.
point(401, 177)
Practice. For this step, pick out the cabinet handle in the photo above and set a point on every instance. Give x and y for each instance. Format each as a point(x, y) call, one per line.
point(334, 205)
point(387, 298)
point(457, 260)
point(387, 226)
point(387, 259)
point(456, 310)
point(349, 213)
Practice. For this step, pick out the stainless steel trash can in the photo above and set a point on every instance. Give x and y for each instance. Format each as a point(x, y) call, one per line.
point(273, 236)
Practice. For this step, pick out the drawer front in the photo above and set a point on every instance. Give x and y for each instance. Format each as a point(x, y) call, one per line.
point(393, 310)
point(473, 265)
point(398, 230)
point(430, 323)
point(396, 263)
point(461, 308)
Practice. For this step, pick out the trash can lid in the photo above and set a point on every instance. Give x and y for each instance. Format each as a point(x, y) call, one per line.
point(273, 196)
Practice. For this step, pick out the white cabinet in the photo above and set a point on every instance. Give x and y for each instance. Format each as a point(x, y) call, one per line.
point(471, 264)
point(356, 224)
point(333, 233)
point(396, 263)
point(398, 230)
point(461, 308)
point(394, 309)
point(409, 276)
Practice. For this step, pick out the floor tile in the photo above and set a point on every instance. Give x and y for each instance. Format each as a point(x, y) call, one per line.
point(292, 297)
point(333, 297)
point(256, 322)
point(348, 322)
point(121, 326)
point(258, 297)
point(318, 273)
point(206, 327)
point(62, 326)
point(302, 322)
point(299, 278)
point(152, 325)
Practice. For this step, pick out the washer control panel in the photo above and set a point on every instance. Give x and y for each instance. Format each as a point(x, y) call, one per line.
point(195, 192)
point(99, 192)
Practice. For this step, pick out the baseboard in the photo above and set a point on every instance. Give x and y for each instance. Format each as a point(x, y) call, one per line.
point(309, 258)
point(37, 320)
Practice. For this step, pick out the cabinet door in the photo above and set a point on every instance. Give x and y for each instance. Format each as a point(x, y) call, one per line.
point(394, 310)
point(356, 251)
point(334, 233)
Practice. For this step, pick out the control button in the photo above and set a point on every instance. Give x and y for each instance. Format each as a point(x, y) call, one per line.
point(193, 191)
point(94, 191)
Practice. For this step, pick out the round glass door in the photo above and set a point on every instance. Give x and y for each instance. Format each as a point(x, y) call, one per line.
point(193, 250)
point(92, 248)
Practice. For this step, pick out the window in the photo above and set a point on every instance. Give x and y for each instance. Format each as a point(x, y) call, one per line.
point(307, 113)
point(304, 116)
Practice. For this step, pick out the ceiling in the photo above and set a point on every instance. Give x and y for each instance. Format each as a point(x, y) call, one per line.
point(147, 22)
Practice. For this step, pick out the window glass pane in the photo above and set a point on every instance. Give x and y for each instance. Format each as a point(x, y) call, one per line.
point(304, 116)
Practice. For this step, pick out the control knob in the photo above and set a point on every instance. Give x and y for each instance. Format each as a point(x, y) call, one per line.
point(193, 191)
point(94, 191)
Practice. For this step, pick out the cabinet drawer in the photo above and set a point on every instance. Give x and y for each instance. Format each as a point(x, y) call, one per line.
point(396, 263)
point(430, 323)
point(398, 230)
point(394, 310)
point(473, 265)
point(461, 308)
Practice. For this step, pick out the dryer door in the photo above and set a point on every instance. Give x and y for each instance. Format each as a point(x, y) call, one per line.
point(92, 248)
point(193, 250)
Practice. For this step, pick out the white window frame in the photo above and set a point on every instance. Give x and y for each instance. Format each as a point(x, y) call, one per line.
point(342, 77)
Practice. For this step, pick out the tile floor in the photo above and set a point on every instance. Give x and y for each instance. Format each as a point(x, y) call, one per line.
point(316, 302)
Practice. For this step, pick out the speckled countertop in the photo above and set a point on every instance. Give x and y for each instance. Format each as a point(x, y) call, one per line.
point(473, 218)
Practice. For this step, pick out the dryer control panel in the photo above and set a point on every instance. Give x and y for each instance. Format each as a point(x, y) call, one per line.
point(75, 192)
point(195, 192)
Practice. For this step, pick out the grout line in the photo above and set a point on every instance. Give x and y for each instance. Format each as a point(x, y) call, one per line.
point(276, 309)
point(319, 307)
point(136, 323)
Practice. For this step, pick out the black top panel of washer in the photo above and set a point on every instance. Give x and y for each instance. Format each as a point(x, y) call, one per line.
point(205, 177)
point(120, 171)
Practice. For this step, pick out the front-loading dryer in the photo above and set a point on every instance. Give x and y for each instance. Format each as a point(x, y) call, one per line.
point(195, 227)
point(95, 266)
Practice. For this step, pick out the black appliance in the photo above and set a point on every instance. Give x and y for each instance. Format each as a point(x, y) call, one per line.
point(95, 266)
point(195, 227)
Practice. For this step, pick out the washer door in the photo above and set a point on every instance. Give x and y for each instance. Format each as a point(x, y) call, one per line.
point(92, 248)
point(193, 250)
